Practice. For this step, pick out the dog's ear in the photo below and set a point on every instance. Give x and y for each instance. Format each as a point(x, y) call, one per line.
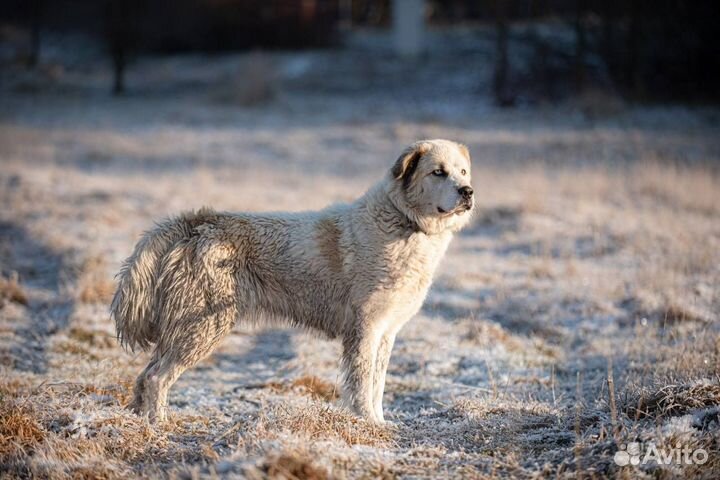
point(464, 150)
point(407, 162)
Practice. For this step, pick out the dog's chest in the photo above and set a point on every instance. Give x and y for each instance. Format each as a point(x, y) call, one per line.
point(411, 263)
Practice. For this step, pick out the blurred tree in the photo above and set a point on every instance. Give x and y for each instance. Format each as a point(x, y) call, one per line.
point(649, 50)
point(580, 45)
point(119, 21)
point(36, 21)
point(501, 90)
point(371, 12)
point(633, 65)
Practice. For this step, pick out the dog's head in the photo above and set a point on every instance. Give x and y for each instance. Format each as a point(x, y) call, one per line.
point(431, 185)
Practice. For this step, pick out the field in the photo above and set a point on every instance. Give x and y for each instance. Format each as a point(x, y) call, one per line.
point(577, 314)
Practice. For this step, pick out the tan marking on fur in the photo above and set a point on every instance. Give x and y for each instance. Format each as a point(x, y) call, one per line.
point(464, 150)
point(328, 237)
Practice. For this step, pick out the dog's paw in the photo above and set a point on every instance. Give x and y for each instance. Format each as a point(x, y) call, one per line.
point(134, 407)
point(390, 425)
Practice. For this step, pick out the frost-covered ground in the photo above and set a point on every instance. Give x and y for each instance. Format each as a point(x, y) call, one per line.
point(595, 255)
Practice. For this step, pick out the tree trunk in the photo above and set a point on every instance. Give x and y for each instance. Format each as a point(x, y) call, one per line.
point(608, 39)
point(580, 45)
point(500, 77)
point(118, 56)
point(121, 16)
point(34, 57)
point(633, 66)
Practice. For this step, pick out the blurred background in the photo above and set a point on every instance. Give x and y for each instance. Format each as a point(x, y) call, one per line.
point(514, 52)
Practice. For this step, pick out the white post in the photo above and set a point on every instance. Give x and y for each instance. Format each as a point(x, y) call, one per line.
point(408, 17)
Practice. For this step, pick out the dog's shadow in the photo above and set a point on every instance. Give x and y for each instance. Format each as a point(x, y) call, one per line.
point(40, 271)
point(271, 349)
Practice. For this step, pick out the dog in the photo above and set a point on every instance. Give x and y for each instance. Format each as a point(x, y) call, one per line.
point(357, 272)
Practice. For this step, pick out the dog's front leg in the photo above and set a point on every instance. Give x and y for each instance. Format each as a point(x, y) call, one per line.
point(381, 364)
point(359, 354)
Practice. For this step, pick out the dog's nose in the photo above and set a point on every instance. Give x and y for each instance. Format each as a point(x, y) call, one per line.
point(465, 192)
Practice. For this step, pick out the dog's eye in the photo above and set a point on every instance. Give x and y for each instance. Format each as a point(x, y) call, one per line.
point(439, 172)
point(463, 172)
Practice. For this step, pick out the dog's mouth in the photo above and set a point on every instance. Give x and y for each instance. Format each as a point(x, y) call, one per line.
point(459, 210)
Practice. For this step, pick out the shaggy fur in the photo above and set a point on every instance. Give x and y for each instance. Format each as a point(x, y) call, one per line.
point(357, 272)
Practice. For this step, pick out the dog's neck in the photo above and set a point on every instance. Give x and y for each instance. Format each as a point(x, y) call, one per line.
point(408, 223)
point(386, 214)
point(386, 203)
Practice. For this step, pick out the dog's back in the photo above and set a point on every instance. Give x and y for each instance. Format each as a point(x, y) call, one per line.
point(206, 266)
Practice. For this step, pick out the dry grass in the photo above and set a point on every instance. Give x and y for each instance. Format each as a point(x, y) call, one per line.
point(675, 313)
point(67, 431)
point(94, 338)
point(484, 333)
point(709, 442)
point(20, 431)
point(693, 188)
point(94, 284)
point(121, 392)
point(316, 388)
point(677, 399)
point(316, 421)
point(14, 387)
point(292, 465)
point(310, 385)
point(12, 291)
point(75, 348)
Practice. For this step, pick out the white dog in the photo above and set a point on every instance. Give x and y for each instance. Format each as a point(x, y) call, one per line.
point(357, 272)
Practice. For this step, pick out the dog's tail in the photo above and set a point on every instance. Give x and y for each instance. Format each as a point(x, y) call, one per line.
point(137, 302)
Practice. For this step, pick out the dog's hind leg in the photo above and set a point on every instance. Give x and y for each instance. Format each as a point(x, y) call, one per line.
point(137, 403)
point(179, 352)
point(196, 306)
point(157, 384)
